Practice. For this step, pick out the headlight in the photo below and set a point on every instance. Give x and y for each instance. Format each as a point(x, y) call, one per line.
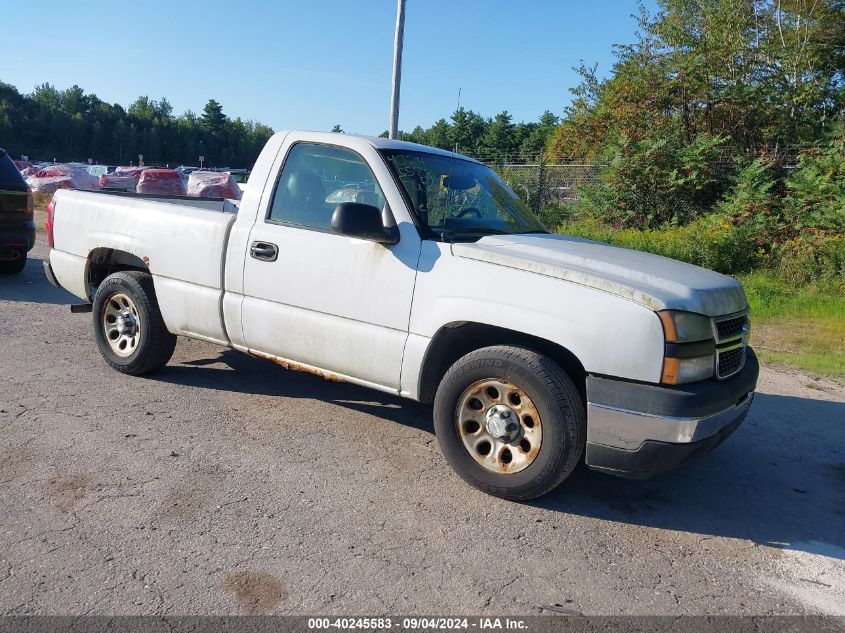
point(685, 327)
point(679, 371)
point(690, 351)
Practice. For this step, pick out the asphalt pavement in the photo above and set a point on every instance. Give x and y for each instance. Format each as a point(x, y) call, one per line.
point(225, 484)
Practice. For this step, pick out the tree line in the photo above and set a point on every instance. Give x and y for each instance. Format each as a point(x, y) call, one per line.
point(74, 125)
point(495, 139)
point(70, 125)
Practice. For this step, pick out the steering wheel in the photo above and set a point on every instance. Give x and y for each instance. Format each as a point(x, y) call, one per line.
point(466, 212)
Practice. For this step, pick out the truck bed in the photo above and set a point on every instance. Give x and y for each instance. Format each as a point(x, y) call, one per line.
point(182, 242)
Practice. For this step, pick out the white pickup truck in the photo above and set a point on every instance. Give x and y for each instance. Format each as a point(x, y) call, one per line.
point(418, 272)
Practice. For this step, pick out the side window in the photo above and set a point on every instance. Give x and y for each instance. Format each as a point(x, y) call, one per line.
point(315, 179)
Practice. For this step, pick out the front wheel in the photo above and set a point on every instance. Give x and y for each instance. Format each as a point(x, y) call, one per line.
point(510, 422)
point(128, 326)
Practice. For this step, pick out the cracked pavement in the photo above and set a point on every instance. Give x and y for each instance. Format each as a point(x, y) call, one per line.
point(227, 485)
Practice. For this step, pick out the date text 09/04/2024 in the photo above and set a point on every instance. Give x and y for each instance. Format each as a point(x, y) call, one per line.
point(481, 623)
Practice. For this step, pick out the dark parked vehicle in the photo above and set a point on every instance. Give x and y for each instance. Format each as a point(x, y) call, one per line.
point(17, 225)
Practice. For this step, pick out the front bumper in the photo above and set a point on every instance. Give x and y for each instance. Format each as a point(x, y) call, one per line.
point(638, 430)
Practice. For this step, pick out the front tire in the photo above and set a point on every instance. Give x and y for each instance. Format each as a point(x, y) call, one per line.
point(128, 327)
point(510, 422)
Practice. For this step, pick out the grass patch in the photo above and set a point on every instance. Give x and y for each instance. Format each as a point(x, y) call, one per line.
point(708, 242)
point(40, 217)
point(800, 327)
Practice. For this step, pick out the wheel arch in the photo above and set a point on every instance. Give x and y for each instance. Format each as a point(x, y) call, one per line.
point(456, 339)
point(102, 262)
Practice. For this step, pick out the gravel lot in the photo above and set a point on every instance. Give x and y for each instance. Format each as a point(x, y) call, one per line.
point(229, 485)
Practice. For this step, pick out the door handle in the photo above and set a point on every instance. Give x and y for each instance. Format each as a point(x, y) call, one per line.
point(264, 251)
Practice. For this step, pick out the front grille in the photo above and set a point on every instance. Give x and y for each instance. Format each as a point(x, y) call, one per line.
point(730, 334)
point(731, 328)
point(731, 361)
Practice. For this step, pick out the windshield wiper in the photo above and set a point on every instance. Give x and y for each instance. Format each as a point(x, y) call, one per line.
point(474, 230)
point(478, 231)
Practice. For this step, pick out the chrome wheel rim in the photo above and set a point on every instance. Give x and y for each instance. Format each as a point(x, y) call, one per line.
point(121, 324)
point(499, 426)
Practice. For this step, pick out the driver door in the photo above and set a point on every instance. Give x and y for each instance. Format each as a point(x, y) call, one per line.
point(322, 299)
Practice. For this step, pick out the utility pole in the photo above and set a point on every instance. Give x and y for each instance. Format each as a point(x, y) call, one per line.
point(397, 69)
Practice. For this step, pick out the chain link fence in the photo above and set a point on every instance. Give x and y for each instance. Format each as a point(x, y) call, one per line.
point(545, 187)
point(549, 189)
point(541, 185)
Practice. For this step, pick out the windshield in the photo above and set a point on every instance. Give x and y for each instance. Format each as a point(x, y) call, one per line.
point(459, 199)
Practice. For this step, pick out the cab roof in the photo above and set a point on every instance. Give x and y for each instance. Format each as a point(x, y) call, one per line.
point(380, 143)
point(386, 143)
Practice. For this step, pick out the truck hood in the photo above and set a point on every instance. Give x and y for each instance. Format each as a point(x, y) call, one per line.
point(656, 282)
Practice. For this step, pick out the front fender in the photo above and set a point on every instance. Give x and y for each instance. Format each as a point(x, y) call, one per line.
point(608, 334)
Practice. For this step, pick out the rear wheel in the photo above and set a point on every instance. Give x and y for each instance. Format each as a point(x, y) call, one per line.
point(12, 263)
point(510, 422)
point(130, 332)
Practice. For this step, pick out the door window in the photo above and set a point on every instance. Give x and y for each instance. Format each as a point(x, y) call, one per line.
point(317, 178)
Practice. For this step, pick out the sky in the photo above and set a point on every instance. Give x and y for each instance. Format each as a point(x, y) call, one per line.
point(311, 64)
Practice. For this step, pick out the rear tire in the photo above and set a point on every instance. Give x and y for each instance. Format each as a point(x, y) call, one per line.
point(128, 327)
point(526, 457)
point(13, 266)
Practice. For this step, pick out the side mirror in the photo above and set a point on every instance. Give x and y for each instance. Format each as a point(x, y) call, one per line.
point(363, 221)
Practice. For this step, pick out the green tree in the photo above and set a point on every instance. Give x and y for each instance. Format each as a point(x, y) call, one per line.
point(214, 122)
point(704, 81)
point(498, 140)
point(815, 191)
point(142, 108)
point(466, 131)
point(537, 137)
point(163, 110)
point(73, 101)
point(764, 73)
point(213, 119)
point(439, 135)
point(47, 97)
